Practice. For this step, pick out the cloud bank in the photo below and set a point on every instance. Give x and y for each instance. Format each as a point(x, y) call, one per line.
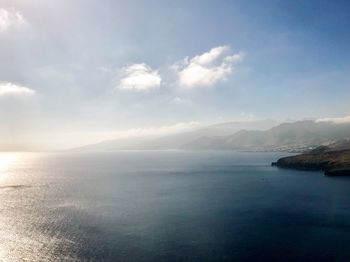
point(157, 131)
point(10, 18)
point(7, 88)
point(139, 77)
point(335, 120)
point(207, 69)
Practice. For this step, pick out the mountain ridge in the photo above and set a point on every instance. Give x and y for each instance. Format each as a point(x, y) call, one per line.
point(263, 135)
point(299, 135)
point(179, 140)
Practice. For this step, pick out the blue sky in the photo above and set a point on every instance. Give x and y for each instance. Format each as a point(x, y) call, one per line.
point(74, 72)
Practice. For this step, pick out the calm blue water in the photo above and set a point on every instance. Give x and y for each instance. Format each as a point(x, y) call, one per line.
point(169, 206)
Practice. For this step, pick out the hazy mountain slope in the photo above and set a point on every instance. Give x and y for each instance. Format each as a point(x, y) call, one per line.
point(178, 141)
point(287, 135)
point(218, 130)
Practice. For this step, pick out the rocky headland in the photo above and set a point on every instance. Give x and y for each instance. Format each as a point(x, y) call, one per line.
point(333, 160)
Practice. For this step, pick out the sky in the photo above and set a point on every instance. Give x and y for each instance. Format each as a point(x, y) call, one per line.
point(78, 72)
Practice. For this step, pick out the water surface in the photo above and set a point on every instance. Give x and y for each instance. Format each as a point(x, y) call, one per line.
point(169, 205)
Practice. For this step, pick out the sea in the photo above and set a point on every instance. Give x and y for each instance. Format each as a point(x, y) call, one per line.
point(169, 206)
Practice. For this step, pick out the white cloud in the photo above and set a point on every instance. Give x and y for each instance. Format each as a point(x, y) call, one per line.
point(206, 69)
point(7, 88)
point(335, 120)
point(10, 18)
point(157, 131)
point(139, 77)
point(181, 101)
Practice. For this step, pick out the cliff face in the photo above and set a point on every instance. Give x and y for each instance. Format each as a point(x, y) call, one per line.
point(332, 161)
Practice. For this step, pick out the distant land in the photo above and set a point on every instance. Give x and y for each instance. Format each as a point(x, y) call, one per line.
point(297, 136)
point(179, 140)
point(334, 159)
point(262, 135)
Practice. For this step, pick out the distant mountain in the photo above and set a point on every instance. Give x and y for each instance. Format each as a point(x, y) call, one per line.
point(264, 135)
point(298, 136)
point(178, 141)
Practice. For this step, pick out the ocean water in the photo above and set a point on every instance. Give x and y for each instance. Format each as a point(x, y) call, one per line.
point(169, 206)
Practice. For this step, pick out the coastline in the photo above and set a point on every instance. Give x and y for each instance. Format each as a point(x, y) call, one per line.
point(331, 162)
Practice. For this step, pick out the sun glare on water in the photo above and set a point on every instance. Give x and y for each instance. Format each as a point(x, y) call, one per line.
point(8, 161)
point(14, 201)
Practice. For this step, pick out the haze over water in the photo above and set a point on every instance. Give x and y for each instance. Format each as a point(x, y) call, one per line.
point(168, 205)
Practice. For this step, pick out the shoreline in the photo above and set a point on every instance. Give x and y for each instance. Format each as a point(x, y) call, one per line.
point(331, 162)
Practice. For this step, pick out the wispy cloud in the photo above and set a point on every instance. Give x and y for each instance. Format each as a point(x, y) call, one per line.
point(7, 88)
point(135, 132)
point(181, 101)
point(157, 131)
point(10, 18)
point(139, 77)
point(335, 120)
point(206, 69)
